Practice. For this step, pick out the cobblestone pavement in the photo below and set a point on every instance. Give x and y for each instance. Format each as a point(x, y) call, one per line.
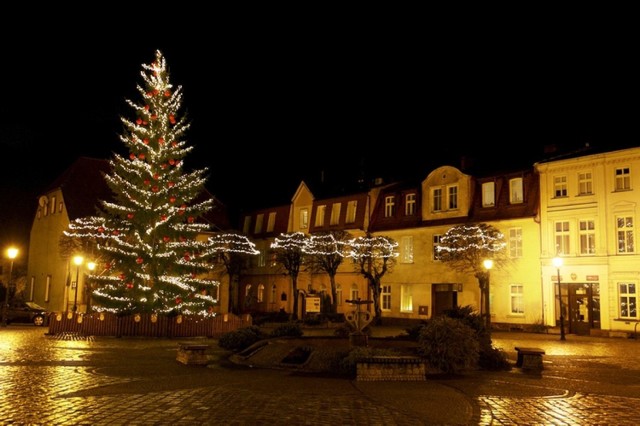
point(106, 381)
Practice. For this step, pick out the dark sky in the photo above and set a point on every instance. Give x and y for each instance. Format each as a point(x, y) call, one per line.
point(272, 105)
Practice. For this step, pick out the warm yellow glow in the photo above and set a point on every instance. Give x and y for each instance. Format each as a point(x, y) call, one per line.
point(557, 262)
point(91, 266)
point(488, 264)
point(12, 252)
point(78, 260)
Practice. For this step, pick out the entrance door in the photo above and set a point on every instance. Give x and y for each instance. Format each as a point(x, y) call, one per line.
point(584, 307)
point(444, 298)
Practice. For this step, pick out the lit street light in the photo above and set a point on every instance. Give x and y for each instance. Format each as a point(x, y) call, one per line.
point(12, 253)
point(488, 264)
point(78, 261)
point(557, 262)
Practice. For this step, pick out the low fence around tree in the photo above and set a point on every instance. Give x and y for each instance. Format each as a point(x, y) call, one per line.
point(145, 325)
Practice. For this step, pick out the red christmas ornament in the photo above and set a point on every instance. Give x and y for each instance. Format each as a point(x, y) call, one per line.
point(190, 219)
point(139, 260)
point(178, 300)
point(154, 188)
point(166, 239)
point(146, 107)
point(154, 116)
point(172, 161)
point(145, 141)
point(156, 176)
point(163, 217)
point(187, 257)
point(139, 121)
point(167, 93)
point(163, 166)
point(174, 144)
point(129, 285)
point(132, 156)
point(130, 215)
point(156, 91)
point(101, 230)
point(149, 94)
point(116, 232)
point(144, 123)
point(141, 156)
point(172, 119)
point(161, 141)
point(122, 277)
point(147, 182)
point(172, 199)
point(170, 184)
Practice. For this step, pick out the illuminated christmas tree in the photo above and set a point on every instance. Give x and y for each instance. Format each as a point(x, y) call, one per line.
point(153, 249)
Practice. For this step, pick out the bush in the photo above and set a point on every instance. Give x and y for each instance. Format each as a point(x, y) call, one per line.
point(291, 329)
point(494, 359)
point(448, 345)
point(241, 338)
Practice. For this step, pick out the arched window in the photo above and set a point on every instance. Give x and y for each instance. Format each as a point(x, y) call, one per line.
point(247, 290)
point(273, 294)
point(260, 293)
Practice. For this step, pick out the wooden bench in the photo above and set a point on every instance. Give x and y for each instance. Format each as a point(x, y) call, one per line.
point(529, 358)
point(190, 354)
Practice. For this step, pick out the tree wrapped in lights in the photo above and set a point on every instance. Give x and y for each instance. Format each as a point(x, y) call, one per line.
point(149, 236)
point(466, 247)
point(374, 256)
point(325, 253)
point(289, 251)
point(232, 251)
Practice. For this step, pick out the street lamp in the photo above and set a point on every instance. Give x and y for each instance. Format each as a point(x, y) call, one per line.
point(557, 262)
point(78, 261)
point(488, 264)
point(12, 253)
point(87, 290)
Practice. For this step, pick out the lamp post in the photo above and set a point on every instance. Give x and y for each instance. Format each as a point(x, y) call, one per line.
point(87, 290)
point(557, 262)
point(488, 264)
point(12, 253)
point(78, 261)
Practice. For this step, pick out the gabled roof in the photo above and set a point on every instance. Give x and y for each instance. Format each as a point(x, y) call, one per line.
point(83, 187)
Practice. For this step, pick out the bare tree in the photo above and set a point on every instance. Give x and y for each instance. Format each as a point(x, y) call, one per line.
point(375, 256)
point(466, 247)
point(289, 252)
point(325, 253)
point(233, 252)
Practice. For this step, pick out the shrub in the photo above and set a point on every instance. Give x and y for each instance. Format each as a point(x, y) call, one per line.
point(448, 345)
point(241, 338)
point(494, 359)
point(292, 329)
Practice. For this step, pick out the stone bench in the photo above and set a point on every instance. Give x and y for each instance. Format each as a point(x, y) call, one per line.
point(190, 354)
point(529, 358)
point(391, 368)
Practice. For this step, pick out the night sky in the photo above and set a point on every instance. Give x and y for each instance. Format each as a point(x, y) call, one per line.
point(272, 105)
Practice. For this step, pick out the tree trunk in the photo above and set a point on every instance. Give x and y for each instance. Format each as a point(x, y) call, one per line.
point(334, 295)
point(294, 294)
point(375, 291)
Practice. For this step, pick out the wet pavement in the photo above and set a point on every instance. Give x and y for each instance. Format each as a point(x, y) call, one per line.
point(49, 380)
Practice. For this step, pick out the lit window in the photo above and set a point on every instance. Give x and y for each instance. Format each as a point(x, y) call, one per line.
point(406, 248)
point(436, 243)
point(437, 199)
point(625, 234)
point(410, 204)
point(515, 242)
point(516, 192)
point(406, 304)
point(562, 237)
point(585, 183)
point(628, 300)
point(335, 213)
point(488, 194)
point(354, 292)
point(389, 206)
point(259, 220)
point(386, 297)
point(338, 295)
point(260, 293)
point(560, 186)
point(453, 197)
point(587, 237)
point(517, 299)
point(304, 218)
point(623, 179)
point(52, 205)
point(247, 224)
point(320, 211)
point(352, 207)
point(271, 222)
